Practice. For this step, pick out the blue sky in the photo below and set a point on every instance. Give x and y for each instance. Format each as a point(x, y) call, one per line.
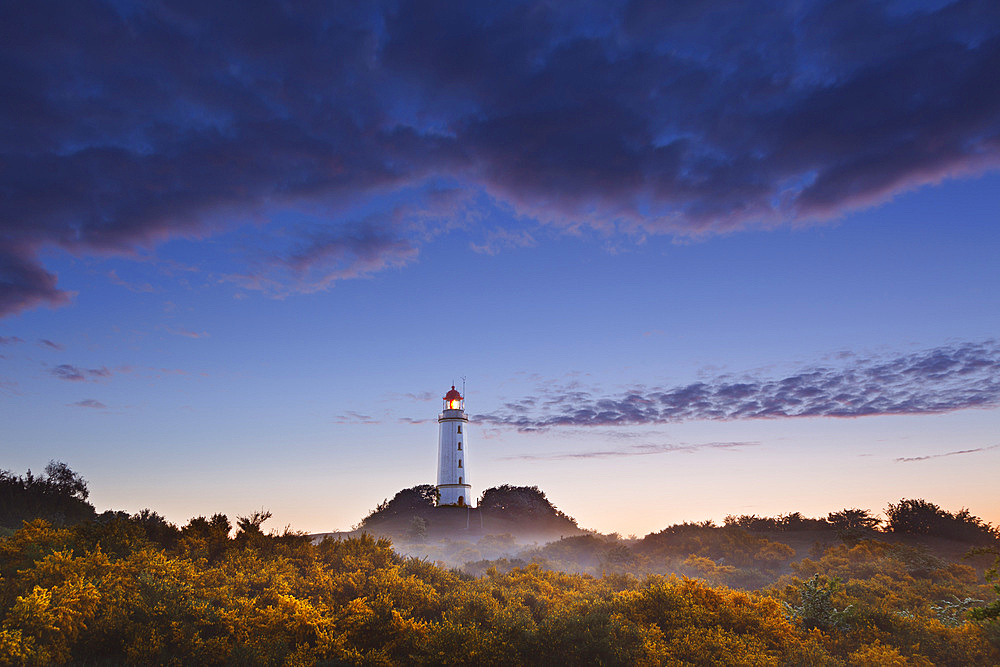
point(717, 261)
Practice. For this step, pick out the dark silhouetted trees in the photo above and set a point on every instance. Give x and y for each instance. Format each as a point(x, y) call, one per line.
point(522, 502)
point(59, 496)
point(920, 517)
point(414, 501)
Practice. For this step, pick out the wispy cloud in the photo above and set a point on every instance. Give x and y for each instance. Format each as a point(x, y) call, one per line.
point(320, 258)
point(634, 450)
point(89, 403)
point(910, 459)
point(943, 379)
point(45, 342)
point(72, 373)
point(142, 288)
point(500, 238)
point(10, 340)
point(186, 333)
point(351, 417)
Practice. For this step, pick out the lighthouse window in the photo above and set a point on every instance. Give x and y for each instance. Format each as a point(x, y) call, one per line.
point(460, 463)
point(459, 428)
point(459, 480)
point(459, 446)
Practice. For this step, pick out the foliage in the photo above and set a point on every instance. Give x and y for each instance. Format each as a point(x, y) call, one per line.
point(784, 522)
point(990, 612)
point(725, 546)
point(521, 502)
point(853, 524)
point(59, 495)
point(853, 519)
point(135, 589)
point(951, 612)
point(415, 500)
point(816, 609)
point(157, 594)
point(921, 517)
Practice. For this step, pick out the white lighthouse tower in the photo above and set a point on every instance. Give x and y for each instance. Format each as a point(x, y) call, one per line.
point(453, 470)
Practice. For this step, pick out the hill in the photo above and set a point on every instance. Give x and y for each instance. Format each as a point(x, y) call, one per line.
point(522, 512)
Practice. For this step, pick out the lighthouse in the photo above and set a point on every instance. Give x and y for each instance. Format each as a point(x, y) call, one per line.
point(453, 469)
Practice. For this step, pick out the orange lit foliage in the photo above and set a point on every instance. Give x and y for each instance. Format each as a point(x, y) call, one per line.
point(279, 599)
point(893, 589)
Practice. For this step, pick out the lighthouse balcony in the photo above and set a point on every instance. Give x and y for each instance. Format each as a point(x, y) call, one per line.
point(452, 414)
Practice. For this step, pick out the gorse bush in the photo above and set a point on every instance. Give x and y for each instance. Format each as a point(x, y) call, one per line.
point(278, 598)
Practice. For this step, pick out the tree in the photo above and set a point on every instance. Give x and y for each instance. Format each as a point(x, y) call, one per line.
point(853, 519)
point(913, 516)
point(65, 481)
point(521, 502)
point(59, 495)
point(414, 500)
point(925, 518)
point(853, 524)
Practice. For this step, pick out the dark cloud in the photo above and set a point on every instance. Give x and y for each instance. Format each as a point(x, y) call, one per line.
point(944, 379)
point(910, 459)
point(90, 403)
point(74, 374)
point(45, 342)
point(125, 124)
point(634, 450)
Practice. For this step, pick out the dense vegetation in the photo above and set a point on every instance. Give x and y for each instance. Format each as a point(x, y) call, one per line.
point(522, 511)
point(59, 495)
point(137, 589)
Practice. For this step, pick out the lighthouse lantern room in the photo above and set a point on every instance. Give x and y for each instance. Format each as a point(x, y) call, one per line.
point(453, 469)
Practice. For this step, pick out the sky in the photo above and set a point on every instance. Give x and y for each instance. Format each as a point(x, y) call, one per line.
point(689, 259)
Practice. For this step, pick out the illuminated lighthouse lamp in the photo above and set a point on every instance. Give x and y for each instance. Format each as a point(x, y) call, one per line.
point(453, 400)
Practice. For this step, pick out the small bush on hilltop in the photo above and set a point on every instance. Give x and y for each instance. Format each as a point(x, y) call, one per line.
point(521, 502)
point(416, 500)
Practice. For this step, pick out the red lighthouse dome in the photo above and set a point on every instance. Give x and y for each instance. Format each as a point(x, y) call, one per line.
point(453, 399)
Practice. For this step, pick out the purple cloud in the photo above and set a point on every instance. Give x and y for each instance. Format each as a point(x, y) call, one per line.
point(45, 342)
point(634, 450)
point(89, 403)
point(143, 288)
point(910, 459)
point(10, 340)
point(124, 124)
point(178, 331)
point(322, 258)
point(351, 417)
point(74, 374)
point(944, 379)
